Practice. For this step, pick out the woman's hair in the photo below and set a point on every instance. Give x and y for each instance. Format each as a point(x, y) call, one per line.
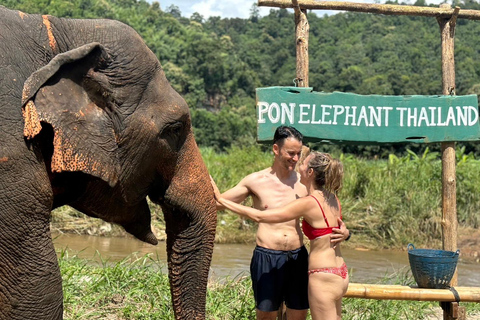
point(328, 171)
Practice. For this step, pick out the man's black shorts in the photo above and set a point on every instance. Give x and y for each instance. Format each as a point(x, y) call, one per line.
point(279, 276)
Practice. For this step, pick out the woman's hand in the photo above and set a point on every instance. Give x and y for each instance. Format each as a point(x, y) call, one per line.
point(216, 192)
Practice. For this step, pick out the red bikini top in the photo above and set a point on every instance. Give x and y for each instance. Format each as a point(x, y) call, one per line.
point(313, 233)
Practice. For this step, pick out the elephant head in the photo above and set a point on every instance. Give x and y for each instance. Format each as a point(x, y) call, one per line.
point(112, 131)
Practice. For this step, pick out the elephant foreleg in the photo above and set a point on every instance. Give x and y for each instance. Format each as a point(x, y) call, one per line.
point(30, 281)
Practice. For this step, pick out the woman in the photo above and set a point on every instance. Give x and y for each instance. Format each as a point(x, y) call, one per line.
point(321, 211)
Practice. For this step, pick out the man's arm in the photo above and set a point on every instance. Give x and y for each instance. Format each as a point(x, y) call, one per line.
point(339, 234)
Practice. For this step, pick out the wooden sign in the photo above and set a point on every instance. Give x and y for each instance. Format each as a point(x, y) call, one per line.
point(367, 118)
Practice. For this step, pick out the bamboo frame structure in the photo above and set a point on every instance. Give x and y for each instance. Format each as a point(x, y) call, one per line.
point(397, 292)
point(386, 9)
point(446, 18)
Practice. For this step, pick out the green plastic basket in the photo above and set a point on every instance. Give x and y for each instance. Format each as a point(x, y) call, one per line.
point(432, 268)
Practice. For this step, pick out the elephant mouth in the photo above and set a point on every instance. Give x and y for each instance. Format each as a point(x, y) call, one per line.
point(157, 195)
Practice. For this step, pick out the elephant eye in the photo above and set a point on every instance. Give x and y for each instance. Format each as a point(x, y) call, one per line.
point(174, 129)
point(173, 133)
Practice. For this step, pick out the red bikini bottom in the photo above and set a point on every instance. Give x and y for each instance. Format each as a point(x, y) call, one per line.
point(341, 271)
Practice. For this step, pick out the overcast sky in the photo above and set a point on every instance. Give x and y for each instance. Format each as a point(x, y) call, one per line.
point(234, 8)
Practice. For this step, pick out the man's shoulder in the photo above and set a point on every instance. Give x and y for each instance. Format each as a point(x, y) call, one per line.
point(260, 173)
point(254, 177)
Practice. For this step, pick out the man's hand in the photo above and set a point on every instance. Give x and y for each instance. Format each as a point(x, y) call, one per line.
point(339, 234)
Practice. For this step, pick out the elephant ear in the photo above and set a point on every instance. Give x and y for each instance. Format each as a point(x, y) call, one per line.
point(71, 95)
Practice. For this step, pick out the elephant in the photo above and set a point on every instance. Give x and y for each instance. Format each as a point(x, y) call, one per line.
point(88, 119)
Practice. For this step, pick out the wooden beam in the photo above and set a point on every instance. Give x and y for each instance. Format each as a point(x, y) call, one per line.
point(398, 292)
point(386, 9)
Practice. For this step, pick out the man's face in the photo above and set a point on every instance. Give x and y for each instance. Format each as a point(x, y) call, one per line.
point(288, 153)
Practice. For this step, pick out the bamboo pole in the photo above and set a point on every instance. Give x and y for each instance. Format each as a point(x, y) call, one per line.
point(449, 197)
point(398, 292)
point(301, 39)
point(451, 310)
point(386, 9)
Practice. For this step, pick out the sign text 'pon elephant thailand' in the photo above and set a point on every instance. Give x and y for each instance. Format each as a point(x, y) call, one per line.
point(88, 119)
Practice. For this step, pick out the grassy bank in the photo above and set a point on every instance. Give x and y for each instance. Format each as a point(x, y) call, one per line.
point(138, 290)
point(386, 203)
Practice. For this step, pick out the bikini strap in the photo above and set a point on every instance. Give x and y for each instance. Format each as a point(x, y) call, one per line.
point(324, 217)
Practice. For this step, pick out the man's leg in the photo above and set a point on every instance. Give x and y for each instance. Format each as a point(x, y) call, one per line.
point(262, 315)
point(297, 280)
point(266, 271)
point(296, 314)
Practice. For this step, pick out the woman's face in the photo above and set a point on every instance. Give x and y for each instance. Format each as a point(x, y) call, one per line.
point(306, 173)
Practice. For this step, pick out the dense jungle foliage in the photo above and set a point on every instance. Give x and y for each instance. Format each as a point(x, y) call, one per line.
point(217, 63)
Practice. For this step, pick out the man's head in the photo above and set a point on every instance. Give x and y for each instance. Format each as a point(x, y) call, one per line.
point(287, 147)
point(285, 132)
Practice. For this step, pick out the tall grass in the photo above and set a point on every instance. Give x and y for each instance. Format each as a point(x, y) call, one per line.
point(130, 289)
point(386, 203)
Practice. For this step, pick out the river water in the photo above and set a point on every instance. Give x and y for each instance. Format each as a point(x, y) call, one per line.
point(232, 260)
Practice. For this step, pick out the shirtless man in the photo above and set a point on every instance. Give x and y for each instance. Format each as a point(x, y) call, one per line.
point(279, 267)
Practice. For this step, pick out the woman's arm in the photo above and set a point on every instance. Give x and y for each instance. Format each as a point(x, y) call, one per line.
point(289, 212)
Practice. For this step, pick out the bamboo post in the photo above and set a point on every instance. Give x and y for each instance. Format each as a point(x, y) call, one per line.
point(449, 188)
point(449, 210)
point(301, 39)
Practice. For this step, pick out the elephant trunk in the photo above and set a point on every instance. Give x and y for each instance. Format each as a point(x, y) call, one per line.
point(190, 217)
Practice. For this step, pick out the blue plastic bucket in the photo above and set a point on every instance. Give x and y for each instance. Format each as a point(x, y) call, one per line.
point(432, 268)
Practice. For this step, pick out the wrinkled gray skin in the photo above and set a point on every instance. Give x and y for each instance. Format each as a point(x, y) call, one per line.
point(88, 119)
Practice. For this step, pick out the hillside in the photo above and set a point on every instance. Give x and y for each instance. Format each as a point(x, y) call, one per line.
point(217, 63)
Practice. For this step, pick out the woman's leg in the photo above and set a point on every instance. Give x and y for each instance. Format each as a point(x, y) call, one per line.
point(346, 281)
point(338, 305)
point(325, 292)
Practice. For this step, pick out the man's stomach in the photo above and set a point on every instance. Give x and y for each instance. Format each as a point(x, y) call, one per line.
point(279, 236)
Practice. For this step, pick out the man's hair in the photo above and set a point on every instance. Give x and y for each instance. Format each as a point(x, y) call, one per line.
point(284, 132)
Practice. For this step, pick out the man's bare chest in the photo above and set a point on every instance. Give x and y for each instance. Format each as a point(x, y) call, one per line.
point(273, 195)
